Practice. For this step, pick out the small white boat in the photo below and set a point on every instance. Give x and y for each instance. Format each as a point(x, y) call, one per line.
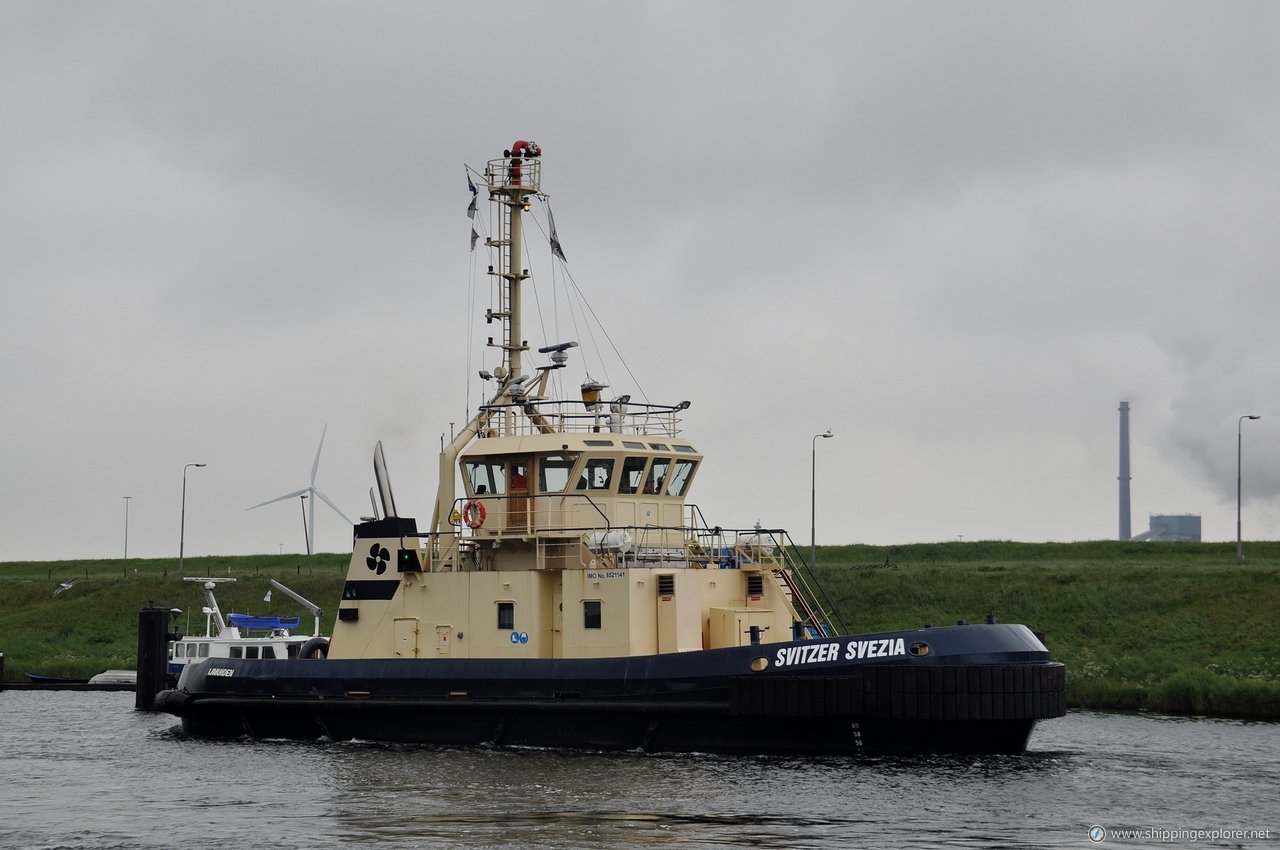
point(116, 677)
point(246, 636)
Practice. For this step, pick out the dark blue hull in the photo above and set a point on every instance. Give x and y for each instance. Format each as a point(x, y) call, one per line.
point(977, 689)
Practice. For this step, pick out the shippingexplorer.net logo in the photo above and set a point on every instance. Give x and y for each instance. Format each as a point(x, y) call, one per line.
point(1099, 834)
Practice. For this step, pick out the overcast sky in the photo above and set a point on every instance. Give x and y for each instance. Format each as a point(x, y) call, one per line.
point(956, 234)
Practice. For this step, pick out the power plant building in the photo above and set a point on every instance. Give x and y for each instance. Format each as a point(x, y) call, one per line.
point(1161, 526)
point(1172, 527)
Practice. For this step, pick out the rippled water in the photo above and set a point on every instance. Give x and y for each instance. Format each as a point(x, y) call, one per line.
point(84, 770)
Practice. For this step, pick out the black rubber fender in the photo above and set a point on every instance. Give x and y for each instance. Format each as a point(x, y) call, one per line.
point(171, 700)
point(317, 647)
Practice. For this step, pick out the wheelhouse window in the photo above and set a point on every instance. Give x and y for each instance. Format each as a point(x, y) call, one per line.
point(657, 476)
point(591, 614)
point(486, 476)
point(553, 472)
point(506, 615)
point(681, 472)
point(597, 473)
point(632, 474)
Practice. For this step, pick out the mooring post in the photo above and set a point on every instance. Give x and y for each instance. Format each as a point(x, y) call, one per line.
point(153, 655)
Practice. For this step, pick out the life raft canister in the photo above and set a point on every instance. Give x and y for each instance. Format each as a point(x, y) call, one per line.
point(473, 514)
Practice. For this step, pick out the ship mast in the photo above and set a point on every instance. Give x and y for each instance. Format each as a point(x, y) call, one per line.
point(512, 181)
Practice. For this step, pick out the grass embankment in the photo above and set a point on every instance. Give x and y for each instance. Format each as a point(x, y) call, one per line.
point(93, 626)
point(1173, 627)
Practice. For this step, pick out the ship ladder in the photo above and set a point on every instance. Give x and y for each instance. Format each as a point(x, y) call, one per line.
point(814, 615)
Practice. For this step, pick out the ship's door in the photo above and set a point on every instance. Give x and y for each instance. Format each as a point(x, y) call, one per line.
point(518, 497)
point(444, 645)
point(406, 637)
point(557, 619)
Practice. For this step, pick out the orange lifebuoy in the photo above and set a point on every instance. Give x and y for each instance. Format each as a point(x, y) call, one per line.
point(473, 514)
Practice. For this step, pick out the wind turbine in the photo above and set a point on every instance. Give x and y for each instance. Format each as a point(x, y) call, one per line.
point(314, 494)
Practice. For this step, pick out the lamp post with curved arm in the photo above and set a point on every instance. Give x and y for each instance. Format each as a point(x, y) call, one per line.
point(813, 494)
point(1239, 478)
point(182, 531)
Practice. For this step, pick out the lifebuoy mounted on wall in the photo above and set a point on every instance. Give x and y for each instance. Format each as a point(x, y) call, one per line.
point(473, 514)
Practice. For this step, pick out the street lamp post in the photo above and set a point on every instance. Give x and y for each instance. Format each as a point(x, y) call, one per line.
point(126, 526)
point(182, 531)
point(813, 494)
point(1239, 478)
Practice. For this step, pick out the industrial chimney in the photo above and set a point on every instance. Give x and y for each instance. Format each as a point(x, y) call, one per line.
point(1125, 531)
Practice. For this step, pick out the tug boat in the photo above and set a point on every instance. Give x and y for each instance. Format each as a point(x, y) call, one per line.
point(572, 596)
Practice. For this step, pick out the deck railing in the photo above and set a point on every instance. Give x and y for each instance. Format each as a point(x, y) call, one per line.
point(523, 418)
point(689, 546)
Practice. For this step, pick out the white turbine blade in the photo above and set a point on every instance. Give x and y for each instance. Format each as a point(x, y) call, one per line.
point(328, 502)
point(295, 494)
point(316, 465)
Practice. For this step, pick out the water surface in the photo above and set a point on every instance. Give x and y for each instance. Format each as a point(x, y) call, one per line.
point(84, 770)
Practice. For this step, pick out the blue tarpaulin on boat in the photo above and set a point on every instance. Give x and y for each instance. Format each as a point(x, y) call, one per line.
point(248, 621)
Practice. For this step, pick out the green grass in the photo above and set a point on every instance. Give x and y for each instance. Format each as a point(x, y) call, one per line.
point(1172, 627)
point(93, 626)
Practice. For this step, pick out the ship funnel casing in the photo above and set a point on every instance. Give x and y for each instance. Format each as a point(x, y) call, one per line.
point(373, 584)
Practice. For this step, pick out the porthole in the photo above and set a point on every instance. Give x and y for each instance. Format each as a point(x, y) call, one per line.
point(919, 649)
